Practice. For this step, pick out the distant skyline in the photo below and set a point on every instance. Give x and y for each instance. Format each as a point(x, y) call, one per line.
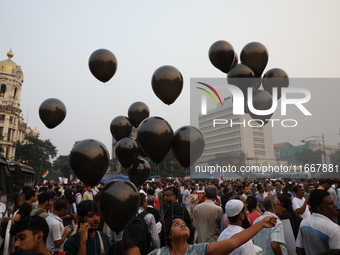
point(52, 42)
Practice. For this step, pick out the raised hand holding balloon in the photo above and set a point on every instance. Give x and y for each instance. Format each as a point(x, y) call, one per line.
point(167, 83)
point(137, 112)
point(120, 127)
point(103, 64)
point(188, 145)
point(127, 151)
point(89, 160)
point(119, 203)
point(52, 112)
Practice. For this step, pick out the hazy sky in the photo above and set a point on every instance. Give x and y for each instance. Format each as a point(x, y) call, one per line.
point(52, 41)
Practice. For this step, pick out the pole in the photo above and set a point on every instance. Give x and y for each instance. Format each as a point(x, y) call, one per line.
point(324, 148)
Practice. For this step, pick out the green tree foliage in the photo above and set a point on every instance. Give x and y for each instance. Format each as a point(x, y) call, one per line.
point(62, 166)
point(169, 167)
point(307, 156)
point(37, 152)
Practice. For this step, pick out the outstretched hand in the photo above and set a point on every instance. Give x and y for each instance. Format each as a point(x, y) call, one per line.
point(269, 221)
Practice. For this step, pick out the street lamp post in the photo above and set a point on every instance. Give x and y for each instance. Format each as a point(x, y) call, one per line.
point(321, 139)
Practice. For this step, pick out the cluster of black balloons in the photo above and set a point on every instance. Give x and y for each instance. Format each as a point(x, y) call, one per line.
point(247, 74)
point(89, 158)
point(154, 140)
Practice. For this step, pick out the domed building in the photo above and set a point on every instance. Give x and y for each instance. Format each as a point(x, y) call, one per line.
point(12, 125)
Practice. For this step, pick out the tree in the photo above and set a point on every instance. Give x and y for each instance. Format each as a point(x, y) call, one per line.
point(37, 152)
point(335, 158)
point(169, 167)
point(62, 165)
point(307, 156)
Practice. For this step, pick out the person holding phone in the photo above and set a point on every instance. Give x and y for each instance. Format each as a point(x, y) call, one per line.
point(88, 240)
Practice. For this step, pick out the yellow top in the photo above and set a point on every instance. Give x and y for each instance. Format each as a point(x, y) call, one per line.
point(8, 65)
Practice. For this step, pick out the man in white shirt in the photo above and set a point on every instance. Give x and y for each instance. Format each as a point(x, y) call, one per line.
point(186, 196)
point(318, 233)
point(237, 215)
point(300, 204)
point(57, 232)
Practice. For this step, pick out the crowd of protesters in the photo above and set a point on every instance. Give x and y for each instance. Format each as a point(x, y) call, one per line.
point(184, 217)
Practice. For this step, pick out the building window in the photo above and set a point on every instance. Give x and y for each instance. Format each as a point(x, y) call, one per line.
point(15, 93)
point(2, 90)
point(2, 117)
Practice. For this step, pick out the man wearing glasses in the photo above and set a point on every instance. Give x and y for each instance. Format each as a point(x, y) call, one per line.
point(300, 204)
point(271, 240)
point(175, 207)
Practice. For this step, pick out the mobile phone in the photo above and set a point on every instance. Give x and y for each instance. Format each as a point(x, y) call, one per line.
point(70, 226)
point(81, 220)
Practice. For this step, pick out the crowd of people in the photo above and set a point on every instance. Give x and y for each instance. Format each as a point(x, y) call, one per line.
point(181, 217)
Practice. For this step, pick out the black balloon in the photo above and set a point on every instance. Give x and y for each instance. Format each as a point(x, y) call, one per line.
point(139, 172)
point(119, 203)
point(154, 137)
point(141, 152)
point(103, 64)
point(137, 112)
point(242, 77)
point(126, 151)
point(262, 100)
point(188, 145)
point(275, 78)
point(52, 112)
point(222, 55)
point(120, 127)
point(255, 56)
point(167, 83)
point(89, 160)
point(235, 62)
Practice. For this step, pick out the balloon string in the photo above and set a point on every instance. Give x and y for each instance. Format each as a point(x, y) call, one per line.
point(162, 205)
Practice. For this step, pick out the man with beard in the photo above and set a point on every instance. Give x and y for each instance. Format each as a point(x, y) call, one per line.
point(318, 233)
point(88, 240)
point(237, 215)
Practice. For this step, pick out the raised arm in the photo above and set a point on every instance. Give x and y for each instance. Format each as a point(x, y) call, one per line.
point(228, 245)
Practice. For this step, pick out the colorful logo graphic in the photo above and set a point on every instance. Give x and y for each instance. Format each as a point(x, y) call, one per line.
point(210, 94)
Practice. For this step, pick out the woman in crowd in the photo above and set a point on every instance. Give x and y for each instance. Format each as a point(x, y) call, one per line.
point(178, 234)
point(253, 209)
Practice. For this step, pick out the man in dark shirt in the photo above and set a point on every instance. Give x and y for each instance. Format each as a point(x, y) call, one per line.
point(175, 207)
point(26, 208)
point(88, 240)
point(225, 198)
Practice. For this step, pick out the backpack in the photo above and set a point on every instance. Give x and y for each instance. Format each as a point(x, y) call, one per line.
point(137, 232)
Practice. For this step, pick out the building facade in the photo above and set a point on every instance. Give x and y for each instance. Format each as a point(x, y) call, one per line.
point(233, 134)
point(12, 125)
